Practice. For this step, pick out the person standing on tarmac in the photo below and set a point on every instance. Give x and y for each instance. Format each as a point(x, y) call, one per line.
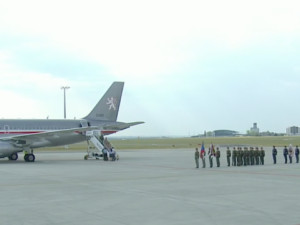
point(218, 155)
point(228, 156)
point(274, 154)
point(242, 156)
point(297, 154)
point(262, 156)
point(197, 158)
point(238, 156)
point(251, 156)
point(210, 157)
point(202, 155)
point(285, 153)
point(256, 153)
point(291, 153)
point(234, 155)
point(245, 156)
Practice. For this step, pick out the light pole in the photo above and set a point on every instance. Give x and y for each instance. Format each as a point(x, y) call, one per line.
point(65, 88)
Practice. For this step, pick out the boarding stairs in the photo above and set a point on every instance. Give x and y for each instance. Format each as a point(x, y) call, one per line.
point(99, 143)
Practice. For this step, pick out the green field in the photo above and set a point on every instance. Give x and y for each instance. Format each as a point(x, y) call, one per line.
point(161, 143)
point(167, 143)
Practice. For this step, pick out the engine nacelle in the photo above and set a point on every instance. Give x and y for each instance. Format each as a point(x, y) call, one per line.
point(6, 149)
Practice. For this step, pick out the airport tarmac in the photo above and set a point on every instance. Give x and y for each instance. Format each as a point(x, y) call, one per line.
point(147, 187)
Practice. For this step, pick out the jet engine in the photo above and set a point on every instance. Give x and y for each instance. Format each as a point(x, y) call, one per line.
point(7, 149)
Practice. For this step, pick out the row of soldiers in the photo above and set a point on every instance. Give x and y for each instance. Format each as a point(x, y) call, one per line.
point(239, 156)
point(245, 157)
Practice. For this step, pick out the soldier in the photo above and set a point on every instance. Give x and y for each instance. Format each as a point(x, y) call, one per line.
point(297, 154)
point(242, 156)
point(262, 156)
point(256, 153)
point(285, 153)
point(245, 156)
point(197, 158)
point(274, 154)
point(218, 155)
point(234, 155)
point(238, 156)
point(228, 156)
point(202, 155)
point(210, 157)
point(251, 155)
point(291, 153)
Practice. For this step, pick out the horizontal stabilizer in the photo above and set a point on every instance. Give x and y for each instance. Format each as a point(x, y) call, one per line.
point(121, 126)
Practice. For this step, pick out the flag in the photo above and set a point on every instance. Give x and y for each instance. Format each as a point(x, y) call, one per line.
point(212, 148)
point(202, 152)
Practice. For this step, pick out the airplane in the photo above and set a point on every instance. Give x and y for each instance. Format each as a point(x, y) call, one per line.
point(25, 135)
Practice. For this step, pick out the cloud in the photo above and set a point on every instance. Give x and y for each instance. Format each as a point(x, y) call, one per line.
point(16, 105)
point(149, 39)
point(179, 57)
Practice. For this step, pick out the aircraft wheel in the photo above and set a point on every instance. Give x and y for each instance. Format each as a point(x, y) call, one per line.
point(29, 158)
point(86, 157)
point(13, 156)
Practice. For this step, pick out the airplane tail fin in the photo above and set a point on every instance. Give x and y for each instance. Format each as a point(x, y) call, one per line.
point(108, 106)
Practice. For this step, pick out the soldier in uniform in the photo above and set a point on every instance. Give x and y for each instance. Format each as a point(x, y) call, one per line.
point(210, 157)
point(197, 158)
point(297, 154)
point(218, 155)
point(274, 154)
point(202, 156)
point(285, 153)
point(291, 153)
point(251, 155)
point(228, 156)
point(256, 156)
point(234, 155)
point(242, 156)
point(238, 156)
point(245, 156)
point(262, 156)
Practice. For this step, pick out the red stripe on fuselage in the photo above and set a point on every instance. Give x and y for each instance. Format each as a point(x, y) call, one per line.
point(37, 132)
point(108, 131)
point(21, 132)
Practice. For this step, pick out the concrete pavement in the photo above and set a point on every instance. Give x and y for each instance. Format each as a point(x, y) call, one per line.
point(147, 187)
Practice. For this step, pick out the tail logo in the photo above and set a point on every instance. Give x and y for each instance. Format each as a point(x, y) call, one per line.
point(112, 102)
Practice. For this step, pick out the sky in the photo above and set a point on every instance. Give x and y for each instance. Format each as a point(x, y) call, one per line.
point(188, 66)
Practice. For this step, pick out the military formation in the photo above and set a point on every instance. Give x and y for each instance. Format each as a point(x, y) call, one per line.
point(246, 156)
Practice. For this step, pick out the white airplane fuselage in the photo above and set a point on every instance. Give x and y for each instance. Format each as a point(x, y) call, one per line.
point(23, 127)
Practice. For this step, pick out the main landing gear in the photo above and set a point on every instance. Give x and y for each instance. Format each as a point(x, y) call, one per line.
point(29, 157)
point(13, 157)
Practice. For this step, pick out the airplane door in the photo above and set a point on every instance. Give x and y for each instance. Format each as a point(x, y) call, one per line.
point(6, 129)
point(83, 123)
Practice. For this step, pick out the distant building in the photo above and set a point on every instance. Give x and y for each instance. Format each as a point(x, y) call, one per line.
point(293, 131)
point(225, 133)
point(254, 129)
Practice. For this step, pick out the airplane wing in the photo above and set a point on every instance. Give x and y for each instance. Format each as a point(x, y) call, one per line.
point(121, 126)
point(29, 138)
